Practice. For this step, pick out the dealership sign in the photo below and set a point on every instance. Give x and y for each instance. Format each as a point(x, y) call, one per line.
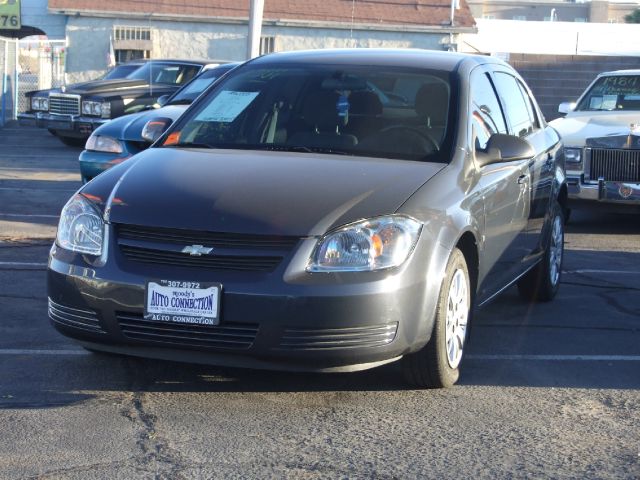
point(10, 15)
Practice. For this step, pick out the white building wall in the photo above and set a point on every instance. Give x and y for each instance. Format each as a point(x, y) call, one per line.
point(89, 41)
point(553, 38)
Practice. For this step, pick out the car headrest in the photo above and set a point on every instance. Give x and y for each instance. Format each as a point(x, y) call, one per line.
point(432, 101)
point(320, 110)
point(364, 102)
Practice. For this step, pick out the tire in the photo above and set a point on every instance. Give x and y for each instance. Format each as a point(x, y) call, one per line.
point(542, 282)
point(72, 141)
point(437, 364)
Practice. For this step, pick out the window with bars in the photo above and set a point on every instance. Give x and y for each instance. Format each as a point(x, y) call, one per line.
point(267, 45)
point(131, 33)
point(131, 43)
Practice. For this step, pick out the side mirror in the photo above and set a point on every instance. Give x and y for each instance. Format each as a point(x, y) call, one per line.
point(154, 128)
point(505, 148)
point(566, 107)
point(162, 101)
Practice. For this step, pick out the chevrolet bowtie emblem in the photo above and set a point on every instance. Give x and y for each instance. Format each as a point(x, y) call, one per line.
point(197, 250)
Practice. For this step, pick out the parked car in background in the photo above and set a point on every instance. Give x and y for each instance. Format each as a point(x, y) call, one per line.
point(121, 138)
point(290, 220)
point(72, 112)
point(601, 134)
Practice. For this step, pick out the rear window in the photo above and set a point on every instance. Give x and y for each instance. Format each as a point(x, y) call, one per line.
point(377, 111)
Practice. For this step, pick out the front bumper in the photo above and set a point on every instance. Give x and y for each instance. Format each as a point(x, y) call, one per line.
point(76, 126)
point(285, 320)
point(605, 192)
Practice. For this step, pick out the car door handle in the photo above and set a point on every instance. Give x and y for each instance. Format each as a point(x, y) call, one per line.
point(522, 180)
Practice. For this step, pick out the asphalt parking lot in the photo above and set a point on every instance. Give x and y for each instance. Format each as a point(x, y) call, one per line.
point(547, 391)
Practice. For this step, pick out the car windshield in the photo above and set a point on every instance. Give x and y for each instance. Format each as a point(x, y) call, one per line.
point(379, 111)
point(188, 93)
point(615, 92)
point(121, 71)
point(169, 73)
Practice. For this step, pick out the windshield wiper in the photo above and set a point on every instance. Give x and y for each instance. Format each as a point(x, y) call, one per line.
point(190, 145)
point(180, 101)
point(297, 148)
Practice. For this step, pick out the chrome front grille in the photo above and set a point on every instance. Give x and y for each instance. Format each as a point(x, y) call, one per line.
point(614, 165)
point(64, 104)
point(232, 336)
point(230, 251)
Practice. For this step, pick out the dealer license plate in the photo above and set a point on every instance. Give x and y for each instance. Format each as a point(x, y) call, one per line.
point(182, 302)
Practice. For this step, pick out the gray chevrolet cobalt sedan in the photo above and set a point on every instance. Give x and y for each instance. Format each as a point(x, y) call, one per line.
point(327, 210)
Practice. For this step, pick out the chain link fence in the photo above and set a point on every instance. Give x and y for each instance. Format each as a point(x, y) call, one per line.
point(25, 66)
point(41, 66)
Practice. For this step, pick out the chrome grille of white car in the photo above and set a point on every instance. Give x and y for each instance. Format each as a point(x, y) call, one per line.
point(63, 104)
point(615, 165)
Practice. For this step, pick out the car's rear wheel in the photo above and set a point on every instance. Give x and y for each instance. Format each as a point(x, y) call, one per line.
point(437, 364)
point(542, 282)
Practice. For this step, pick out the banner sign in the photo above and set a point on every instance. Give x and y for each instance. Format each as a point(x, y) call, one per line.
point(10, 15)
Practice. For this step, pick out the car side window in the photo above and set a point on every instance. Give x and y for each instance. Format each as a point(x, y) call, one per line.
point(486, 114)
point(530, 107)
point(516, 108)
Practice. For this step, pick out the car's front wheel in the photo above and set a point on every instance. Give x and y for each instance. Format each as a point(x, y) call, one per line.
point(437, 364)
point(543, 281)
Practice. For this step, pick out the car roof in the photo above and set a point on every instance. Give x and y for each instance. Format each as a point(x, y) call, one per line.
point(142, 61)
point(620, 72)
point(408, 57)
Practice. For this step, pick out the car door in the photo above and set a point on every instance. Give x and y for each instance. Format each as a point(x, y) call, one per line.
point(526, 123)
point(542, 168)
point(504, 188)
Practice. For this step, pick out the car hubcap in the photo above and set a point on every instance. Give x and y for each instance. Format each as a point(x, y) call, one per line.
point(555, 250)
point(457, 316)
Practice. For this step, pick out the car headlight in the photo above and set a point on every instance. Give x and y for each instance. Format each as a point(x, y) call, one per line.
point(572, 155)
point(40, 103)
point(81, 228)
point(368, 245)
point(98, 109)
point(102, 143)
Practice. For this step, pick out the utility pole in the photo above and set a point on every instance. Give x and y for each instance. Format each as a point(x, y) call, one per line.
point(255, 28)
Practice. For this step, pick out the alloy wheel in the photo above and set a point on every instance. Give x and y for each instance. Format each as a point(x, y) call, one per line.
point(457, 318)
point(555, 250)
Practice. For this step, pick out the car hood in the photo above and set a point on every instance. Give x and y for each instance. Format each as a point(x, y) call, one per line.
point(102, 86)
point(599, 127)
point(129, 127)
point(276, 193)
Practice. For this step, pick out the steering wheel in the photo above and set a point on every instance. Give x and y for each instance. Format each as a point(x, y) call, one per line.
point(412, 139)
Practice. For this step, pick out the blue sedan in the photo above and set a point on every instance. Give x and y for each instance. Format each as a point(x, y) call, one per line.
point(121, 138)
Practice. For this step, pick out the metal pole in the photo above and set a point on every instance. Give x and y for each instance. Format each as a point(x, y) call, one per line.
point(4, 80)
point(453, 14)
point(16, 82)
point(255, 28)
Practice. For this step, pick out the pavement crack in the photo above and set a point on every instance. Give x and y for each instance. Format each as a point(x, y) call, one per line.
point(616, 305)
point(157, 455)
point(64, 472)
